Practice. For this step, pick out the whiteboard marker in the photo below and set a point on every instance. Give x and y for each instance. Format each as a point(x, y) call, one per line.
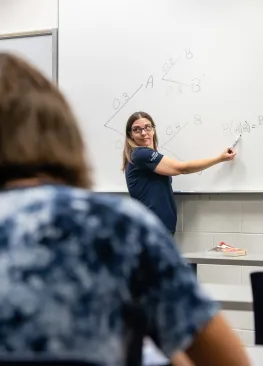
point(234, 144)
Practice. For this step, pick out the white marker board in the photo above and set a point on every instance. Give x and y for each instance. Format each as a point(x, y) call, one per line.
point(195, 66)
point(39, 48)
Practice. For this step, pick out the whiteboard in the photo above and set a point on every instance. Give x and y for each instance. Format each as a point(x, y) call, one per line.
point(39, 48)
point(195, 66)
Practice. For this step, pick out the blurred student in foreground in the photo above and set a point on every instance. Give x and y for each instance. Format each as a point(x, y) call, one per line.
point(82, 273)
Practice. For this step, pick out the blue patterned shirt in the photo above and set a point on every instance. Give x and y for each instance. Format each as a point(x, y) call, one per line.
point(75, 268)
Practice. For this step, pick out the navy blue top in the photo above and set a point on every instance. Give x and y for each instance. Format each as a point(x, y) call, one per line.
point(152, 189)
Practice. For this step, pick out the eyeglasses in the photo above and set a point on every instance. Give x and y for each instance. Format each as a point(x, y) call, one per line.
point(138, 130)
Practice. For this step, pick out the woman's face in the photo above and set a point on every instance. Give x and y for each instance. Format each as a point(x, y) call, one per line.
point(142, 132)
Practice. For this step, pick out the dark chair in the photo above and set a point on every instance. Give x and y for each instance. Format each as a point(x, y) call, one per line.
point(257, 291)
point(42, 361)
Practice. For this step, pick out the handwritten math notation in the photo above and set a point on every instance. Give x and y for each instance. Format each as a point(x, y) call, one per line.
point(242, 127)
point(175, 86)
point(120, 101)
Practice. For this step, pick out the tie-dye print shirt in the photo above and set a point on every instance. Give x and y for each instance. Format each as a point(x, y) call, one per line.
point(74, 266)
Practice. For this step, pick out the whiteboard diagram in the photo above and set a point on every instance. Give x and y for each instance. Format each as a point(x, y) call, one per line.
point(198, 74)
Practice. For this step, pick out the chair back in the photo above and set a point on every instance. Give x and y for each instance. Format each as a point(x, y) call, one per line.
point(257, 291)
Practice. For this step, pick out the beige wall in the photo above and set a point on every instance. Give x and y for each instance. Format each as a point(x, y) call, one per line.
point(28, 15)
point(206, 220)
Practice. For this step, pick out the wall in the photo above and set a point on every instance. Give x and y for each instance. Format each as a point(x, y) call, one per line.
point(28, 15)
point(204, 221)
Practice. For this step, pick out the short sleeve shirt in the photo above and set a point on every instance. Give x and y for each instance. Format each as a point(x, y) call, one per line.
point(152, 189)
point(75, 264)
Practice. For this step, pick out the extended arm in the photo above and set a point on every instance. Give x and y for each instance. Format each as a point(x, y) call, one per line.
point(168, 166)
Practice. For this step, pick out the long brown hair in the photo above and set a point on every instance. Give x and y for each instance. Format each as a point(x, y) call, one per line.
point(129, 144)
point(38, 131)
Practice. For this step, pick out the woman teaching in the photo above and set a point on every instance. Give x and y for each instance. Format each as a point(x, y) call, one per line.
point(148, 172)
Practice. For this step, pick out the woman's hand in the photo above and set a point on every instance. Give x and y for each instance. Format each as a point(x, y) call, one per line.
point(227, 155)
